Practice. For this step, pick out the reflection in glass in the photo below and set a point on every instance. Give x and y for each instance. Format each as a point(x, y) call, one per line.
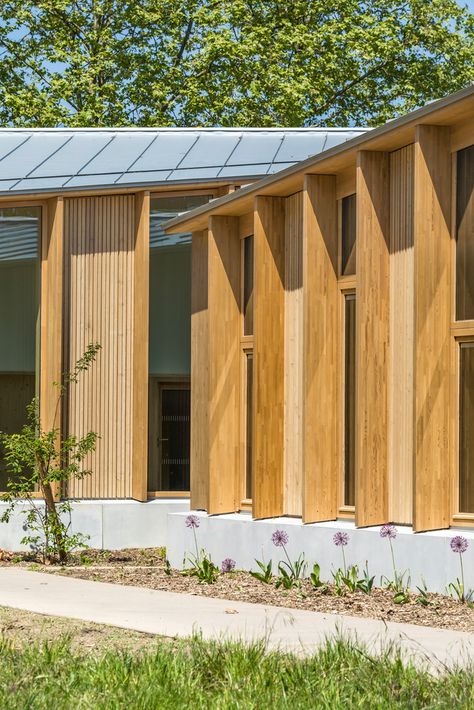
point(20, 230)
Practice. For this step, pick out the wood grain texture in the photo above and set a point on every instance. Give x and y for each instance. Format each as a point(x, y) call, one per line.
point(99, 307)
point(269, 349)
point(432, 219)
point(402, 332)
point(199, 372)
point(224, 364)
point(140, 345)
point(373, 328)
point(321, 325)
point(293, 466)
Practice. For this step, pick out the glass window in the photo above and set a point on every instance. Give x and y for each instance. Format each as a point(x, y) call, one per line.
point(349, 397)
point(248, 425)
point(465, 235)
point(466, 428)
point(20, 230)
point(348, 230)
point(248, 286)
point(164, 208)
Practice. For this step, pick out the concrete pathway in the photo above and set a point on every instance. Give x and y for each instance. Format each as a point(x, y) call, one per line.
point(180, 615)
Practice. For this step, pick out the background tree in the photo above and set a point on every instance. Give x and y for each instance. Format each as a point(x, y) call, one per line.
point(228, 62)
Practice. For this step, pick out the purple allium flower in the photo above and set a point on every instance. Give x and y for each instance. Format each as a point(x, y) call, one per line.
point(228, 565)
point(192, 521)
point(459, 544)
point(389, 531)
point(280, 538)
point(341, 539)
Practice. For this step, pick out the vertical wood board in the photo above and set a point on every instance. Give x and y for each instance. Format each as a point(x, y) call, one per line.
point(373, 329)
point(432, 220)
point(293, 465)
point(321, 325)
point(269, 357)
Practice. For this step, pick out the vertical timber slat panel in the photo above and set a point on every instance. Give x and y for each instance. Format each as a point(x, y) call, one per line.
point(199, 372)
point(293, 355)
point(99, 269)
point(432, 484)
point(269, 349)
point(224, 364)
point(373, 328)
point(402, 331)
point(137, 358)
point(51, 315)
point(321, 349)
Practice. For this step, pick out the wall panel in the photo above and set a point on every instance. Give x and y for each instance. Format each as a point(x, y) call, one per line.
point(269, 357)
point(199, 372)
point(373, 327)
point(293, 465)
point(321, 349)
point(224, 364)
point(99, 307)
point(402, 331)
point(432, 221)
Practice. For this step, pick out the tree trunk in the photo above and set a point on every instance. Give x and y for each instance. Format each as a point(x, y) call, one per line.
point(56, 528)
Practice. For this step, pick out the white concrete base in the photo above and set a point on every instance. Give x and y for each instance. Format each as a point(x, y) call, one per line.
point(427, 556)
point(111, 524)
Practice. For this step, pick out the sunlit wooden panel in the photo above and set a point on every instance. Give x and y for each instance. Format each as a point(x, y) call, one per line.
point(269, 349)
point(321, 350)
point(294, 355)
point(99, 307)
point(373, 326)
point(224, 364)
point(432, 219)
point(199, 463)
point(402, 333)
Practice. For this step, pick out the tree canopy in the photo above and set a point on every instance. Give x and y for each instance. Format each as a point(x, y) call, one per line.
point(228, 62)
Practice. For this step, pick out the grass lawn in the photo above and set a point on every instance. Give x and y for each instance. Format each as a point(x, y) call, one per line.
point(116, 670)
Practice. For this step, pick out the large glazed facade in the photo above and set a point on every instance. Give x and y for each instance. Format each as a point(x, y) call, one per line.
point(333, 333)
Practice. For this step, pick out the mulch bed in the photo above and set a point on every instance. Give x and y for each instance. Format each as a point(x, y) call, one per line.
point(146, 568)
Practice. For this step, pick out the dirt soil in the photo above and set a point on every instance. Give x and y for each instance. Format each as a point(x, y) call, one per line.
point(22, 628)
point(147, 568)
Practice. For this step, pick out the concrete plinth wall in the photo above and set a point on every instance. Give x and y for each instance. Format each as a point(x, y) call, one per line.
point(427, 556)
point(111, 524)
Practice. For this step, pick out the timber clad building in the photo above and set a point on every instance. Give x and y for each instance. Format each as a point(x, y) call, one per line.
point(332, 371)
point(308, 355)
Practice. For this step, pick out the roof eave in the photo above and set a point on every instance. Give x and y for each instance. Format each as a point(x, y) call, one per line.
point(401, 131)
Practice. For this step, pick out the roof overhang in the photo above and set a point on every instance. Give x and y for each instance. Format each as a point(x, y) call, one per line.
point(395, 134)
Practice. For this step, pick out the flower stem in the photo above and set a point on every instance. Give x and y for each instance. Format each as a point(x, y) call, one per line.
point(344, 560)
point(288, 558)
point(393, 562)
point(462, 577)
point(196, 544)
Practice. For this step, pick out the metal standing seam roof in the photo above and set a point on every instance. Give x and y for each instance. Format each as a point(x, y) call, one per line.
point(65, 159)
